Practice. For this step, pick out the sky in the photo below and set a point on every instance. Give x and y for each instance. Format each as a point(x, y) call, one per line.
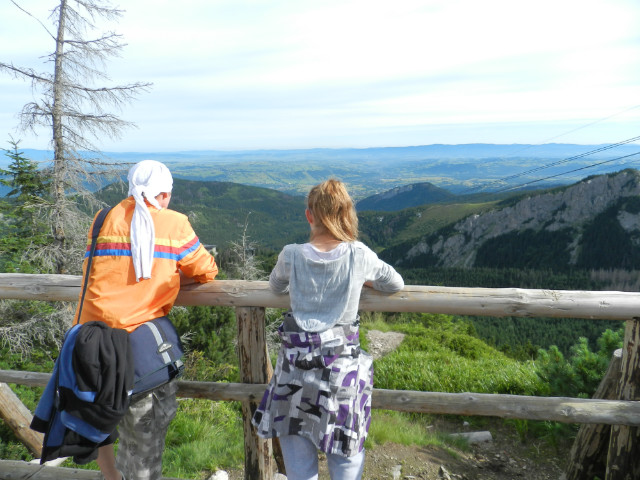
point(299, 74)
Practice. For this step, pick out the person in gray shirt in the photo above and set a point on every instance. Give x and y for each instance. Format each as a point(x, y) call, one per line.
point(319, 397)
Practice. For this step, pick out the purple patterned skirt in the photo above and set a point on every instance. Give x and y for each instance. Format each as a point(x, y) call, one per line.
point(321, 389)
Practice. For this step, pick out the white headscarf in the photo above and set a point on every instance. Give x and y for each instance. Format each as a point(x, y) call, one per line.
point(147, 179)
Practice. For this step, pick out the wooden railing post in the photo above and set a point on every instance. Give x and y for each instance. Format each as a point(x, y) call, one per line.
point(623, 462)
point(255, 367)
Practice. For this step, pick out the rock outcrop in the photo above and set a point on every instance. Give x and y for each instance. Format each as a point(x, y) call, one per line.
point(570, 207)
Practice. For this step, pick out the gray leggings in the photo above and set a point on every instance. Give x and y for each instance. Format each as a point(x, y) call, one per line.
point(301, 461)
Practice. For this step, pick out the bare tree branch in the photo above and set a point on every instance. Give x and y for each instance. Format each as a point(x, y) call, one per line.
point(28, 73)
point(37, 20)
point(76, 112)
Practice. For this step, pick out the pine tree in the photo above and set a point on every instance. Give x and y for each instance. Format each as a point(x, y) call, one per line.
point(27, 326)
point(23, 228)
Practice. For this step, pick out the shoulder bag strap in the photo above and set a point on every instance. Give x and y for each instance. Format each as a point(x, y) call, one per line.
point(97, 225)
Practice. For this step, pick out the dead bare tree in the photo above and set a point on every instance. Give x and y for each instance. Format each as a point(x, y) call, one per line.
point(75, 110)
point(24, 327)
point(244, 265)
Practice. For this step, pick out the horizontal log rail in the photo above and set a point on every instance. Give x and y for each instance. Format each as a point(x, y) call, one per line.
point(559, 409)
point(495, 302)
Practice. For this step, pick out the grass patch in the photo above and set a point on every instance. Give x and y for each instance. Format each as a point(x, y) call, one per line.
point(440, 354)
point(437, 372)
point(388, 426)
point(205, 436)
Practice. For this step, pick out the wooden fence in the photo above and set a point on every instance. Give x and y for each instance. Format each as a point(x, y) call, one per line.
point(250, 298)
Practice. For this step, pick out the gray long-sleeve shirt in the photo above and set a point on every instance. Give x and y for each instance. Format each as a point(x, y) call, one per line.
point(325, 287)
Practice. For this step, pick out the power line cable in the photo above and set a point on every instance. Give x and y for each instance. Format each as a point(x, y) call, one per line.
point(506, 189)
point(553, 164)
point(580, 128)
point(549, 140)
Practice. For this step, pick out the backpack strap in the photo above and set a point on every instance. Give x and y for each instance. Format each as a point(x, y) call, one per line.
point(97, 225)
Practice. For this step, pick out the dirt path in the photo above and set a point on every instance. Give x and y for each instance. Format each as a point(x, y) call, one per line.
point(504, 458)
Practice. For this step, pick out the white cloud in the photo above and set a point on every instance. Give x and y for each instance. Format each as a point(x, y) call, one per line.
point(263, 74)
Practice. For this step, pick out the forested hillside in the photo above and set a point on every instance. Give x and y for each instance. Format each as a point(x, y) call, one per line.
point(582, 237)
point(219, 211)
point(406, 196)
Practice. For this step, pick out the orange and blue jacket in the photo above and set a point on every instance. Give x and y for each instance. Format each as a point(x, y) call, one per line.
point(113, 294)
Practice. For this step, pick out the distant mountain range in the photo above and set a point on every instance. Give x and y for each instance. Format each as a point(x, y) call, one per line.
point(459, 169)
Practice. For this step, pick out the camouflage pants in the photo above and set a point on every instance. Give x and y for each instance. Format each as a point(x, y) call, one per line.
point(142, 433)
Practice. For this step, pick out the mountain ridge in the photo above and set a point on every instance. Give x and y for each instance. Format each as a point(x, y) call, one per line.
point(594, 223)
point(406, 196)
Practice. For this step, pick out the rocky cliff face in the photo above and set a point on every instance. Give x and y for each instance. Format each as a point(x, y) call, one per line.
point(571, 207)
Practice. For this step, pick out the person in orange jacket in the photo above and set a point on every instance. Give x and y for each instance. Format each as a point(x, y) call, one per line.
point(143, 254)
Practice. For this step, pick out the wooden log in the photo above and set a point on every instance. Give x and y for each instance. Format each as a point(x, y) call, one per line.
point(18, 418)
point(623, 462)
point(24, 286)
point(496, 302)
point(588, 455)
point(30, 379)
point(234, 392)
point(559, 409)
point(211, 390)
point(255, 367)
point(17, 470)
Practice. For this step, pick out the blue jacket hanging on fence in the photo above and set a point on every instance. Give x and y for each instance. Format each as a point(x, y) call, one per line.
point(88, 393)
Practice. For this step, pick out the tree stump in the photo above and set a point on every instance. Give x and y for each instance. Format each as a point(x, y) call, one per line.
point(588, 456)
point(623, 462)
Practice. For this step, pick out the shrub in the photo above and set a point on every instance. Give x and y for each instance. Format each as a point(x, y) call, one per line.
point(580, 374)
